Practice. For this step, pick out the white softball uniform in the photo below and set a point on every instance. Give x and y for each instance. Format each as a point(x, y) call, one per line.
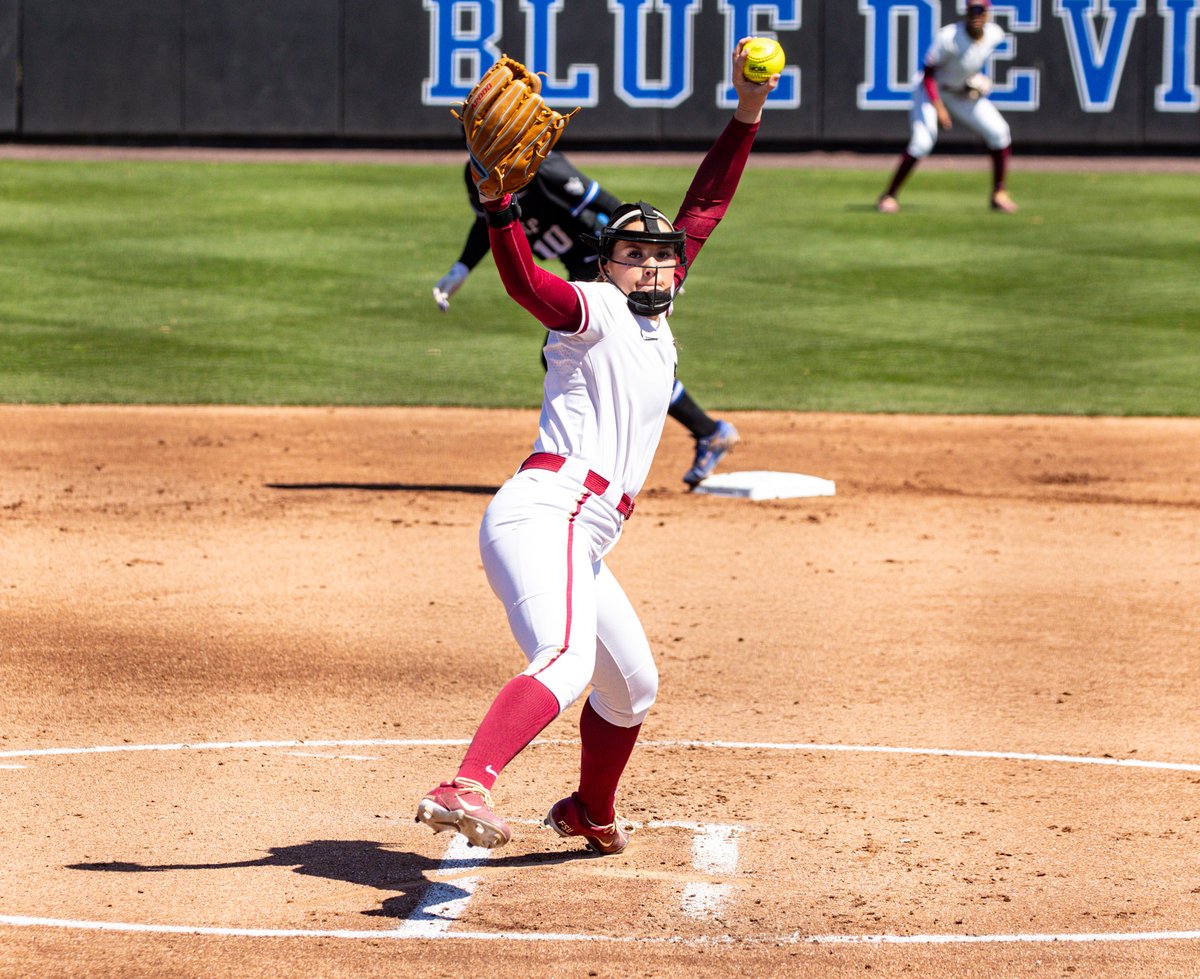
point(957, 57)
point(545, 533)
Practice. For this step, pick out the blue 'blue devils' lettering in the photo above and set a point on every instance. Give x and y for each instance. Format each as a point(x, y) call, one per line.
point(1098, 65)
point(1178, 91)
point(1015, 88)
point(889, 77)
point(760, 18)
point(541, 50)
point(632, 85)
point(461, 47)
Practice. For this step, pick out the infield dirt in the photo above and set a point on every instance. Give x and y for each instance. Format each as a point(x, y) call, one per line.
point(191, 576)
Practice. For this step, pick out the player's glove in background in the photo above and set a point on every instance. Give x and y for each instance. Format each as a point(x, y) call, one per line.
point(449, 284)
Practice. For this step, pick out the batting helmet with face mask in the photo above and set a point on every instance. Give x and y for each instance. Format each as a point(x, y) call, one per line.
point(656, 230)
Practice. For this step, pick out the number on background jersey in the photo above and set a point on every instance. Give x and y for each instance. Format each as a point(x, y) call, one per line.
point(553, 243)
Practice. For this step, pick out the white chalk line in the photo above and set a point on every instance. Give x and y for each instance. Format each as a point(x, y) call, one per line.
point(725, 745)
point(714, 852)
point(329, 757)
point(935, 752)
point(404, 932)
point(441, 904)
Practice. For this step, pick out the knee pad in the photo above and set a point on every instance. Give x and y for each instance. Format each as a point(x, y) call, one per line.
point(641, 690)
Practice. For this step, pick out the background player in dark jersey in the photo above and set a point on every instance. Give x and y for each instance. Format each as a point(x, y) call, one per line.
point(560, 210)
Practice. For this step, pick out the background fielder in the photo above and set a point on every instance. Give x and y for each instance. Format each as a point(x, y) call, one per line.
point(562, 212)
point(954, 87)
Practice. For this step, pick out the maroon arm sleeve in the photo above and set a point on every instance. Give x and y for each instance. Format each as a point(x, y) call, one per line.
point(930, 82)
point(713, 187)
point(550, 299)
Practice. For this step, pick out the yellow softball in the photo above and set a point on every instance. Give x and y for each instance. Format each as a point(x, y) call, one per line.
point(764, 58)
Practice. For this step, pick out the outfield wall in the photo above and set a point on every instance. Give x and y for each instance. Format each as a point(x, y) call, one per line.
point(1076, 74)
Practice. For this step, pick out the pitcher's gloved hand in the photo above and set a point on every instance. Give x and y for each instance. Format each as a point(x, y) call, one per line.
point(509, 128)
point(449, 284)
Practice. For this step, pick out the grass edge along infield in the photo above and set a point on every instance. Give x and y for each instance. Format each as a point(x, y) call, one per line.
point(310, 283)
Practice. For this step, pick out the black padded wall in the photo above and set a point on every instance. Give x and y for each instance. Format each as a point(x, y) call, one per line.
point(1077, 74)
point(262, 68)
point(9, 27)
point(104, 67)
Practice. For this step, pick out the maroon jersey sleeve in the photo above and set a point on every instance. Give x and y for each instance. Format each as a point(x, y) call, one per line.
point(550, 299)
point(713, 187)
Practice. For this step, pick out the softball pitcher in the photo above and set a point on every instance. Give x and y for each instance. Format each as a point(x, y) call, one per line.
point(611, 359)
point(954, 88)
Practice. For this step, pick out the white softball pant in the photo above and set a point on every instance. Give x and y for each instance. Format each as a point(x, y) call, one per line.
point(978, 115)
point(542, 540)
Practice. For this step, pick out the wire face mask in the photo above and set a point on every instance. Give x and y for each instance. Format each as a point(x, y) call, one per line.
point(657, 230)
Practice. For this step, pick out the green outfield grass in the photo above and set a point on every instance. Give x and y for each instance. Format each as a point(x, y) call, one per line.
point(310, 284)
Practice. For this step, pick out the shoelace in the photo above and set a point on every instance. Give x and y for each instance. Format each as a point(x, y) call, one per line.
point(470, 785)
point(619, 822)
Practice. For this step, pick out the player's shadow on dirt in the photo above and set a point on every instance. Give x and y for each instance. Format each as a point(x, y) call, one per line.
point(361, 862)
point(391, 487)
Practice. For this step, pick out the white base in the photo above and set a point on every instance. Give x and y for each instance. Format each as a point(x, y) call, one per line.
point(763, 485)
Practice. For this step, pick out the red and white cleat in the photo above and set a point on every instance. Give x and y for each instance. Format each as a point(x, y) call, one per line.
point(567, 817)
point(464, 806)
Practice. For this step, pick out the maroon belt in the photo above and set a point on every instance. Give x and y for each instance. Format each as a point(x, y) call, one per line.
point(592, 481)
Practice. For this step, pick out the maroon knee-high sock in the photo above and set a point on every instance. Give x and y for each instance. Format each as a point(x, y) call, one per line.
point(1000, 168)
point(518, 714)
point(606, 751)
point(903, 169)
